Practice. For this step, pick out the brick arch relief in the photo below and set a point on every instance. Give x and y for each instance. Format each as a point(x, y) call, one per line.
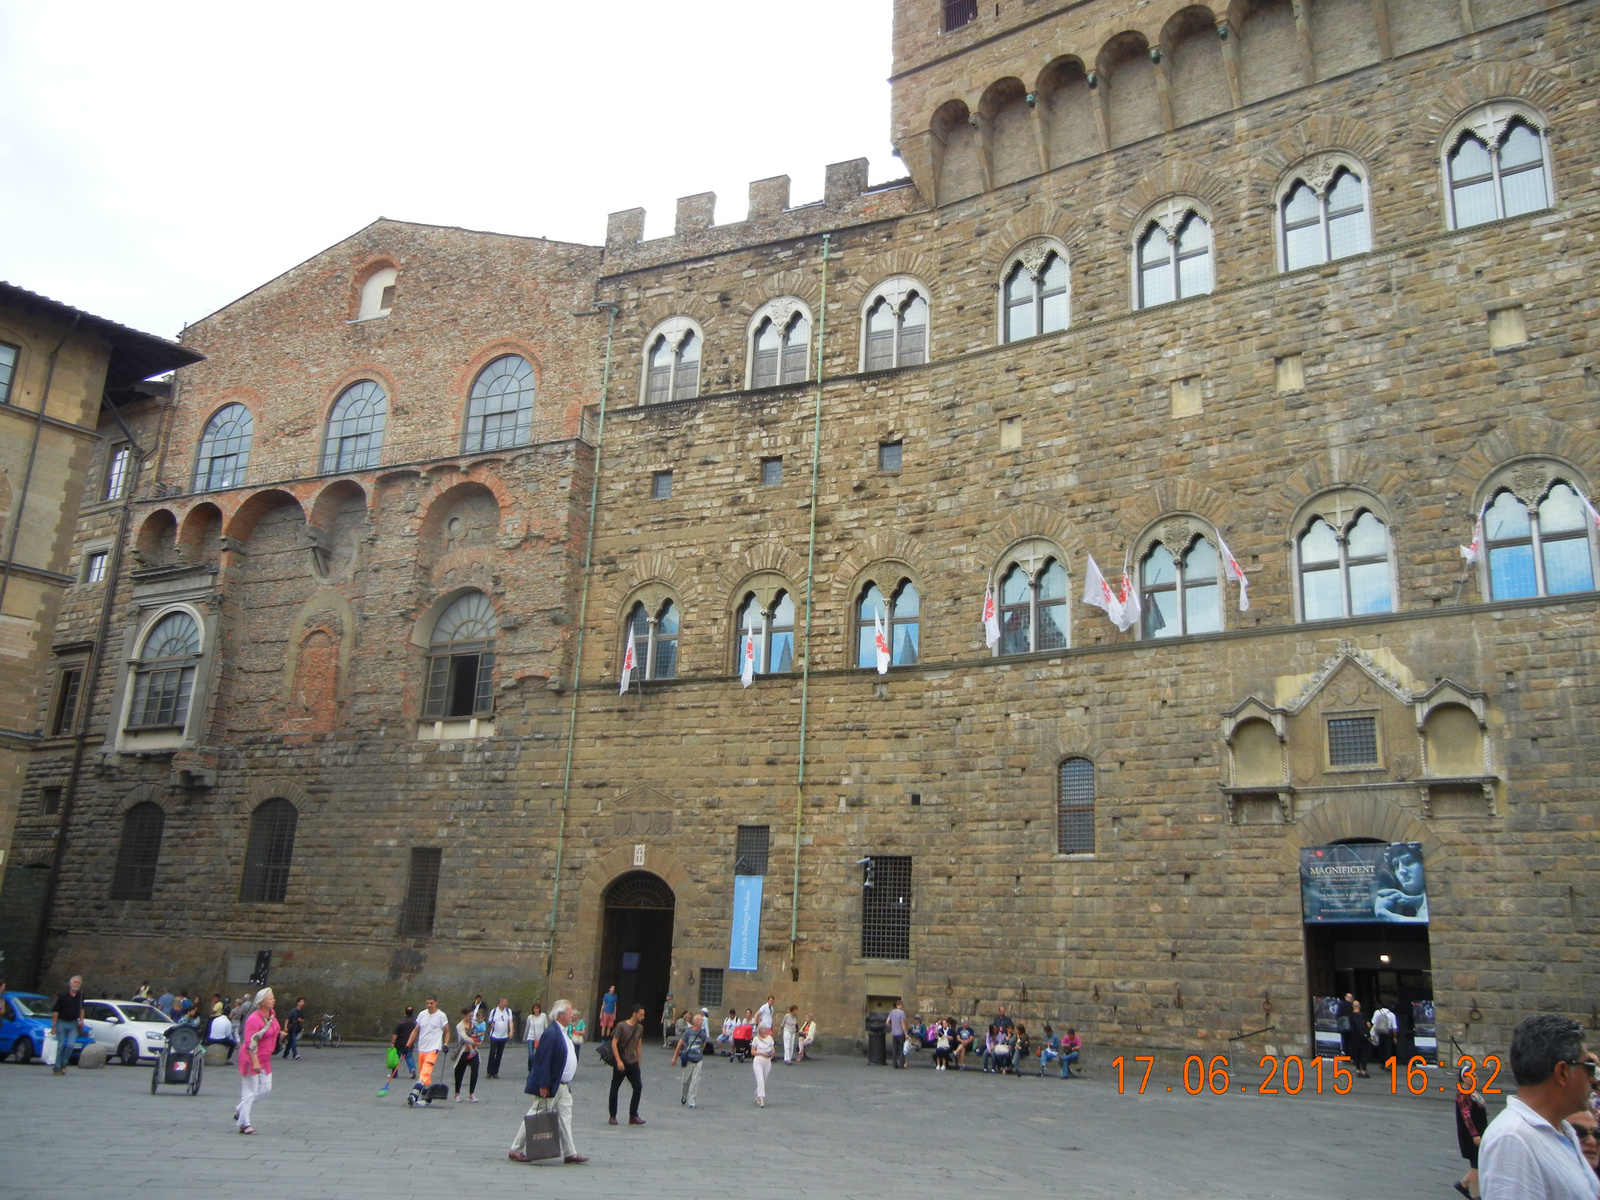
point(1485, 82)
point(800, 284)
point(316, 675)
point(1359, 471)
point(151, 793)
point(1522, 438)
point(1028, 523)
point(1166, 187)
point(1170, 500)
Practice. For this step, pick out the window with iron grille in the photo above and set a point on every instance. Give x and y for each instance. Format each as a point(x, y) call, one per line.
point(1352, 741)
point(1075, 808)
point(711, 988)
point(135, 878)
point(269, 853)
point(422, 893)
point(68, 687)
point(886, 907)
point(750, 850)
point(958, 13)
point(49, 801)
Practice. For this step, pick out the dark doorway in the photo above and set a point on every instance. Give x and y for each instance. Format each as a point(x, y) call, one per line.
point(1387, 965)
point(636, 947)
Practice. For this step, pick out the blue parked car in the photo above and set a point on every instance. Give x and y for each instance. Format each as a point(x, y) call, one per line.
point(25, 1027)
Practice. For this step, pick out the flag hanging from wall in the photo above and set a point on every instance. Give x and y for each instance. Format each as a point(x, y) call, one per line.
point(1097, 593)
point(1132, 609)
point(881, 641)
point(1232, 570)
point(991, 619)
point(627, 665)
point(747, 672)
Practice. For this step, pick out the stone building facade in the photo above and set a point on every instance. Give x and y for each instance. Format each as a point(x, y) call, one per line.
point(1301, 289)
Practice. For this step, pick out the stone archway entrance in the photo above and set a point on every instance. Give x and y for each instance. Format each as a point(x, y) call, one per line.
point(636, 946)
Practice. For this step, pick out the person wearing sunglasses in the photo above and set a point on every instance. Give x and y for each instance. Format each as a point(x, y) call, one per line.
point(1587, 1127)
point(1530, 1149)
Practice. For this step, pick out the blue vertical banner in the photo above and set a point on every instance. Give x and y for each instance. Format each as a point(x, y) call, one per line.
point(746, 939)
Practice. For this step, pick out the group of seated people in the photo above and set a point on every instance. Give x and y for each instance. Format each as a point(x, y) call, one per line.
point(1004, 1049)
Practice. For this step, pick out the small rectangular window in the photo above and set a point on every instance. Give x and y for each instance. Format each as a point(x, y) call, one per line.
point(68, 686)
point(8, 370)
point(1186, 396)
point(711, 988)
point(750, 850)
point(886, 907)
point(1352, 741)
point(1507, 327)
point(117, 471)
point(1011, 433)
point(958, 13)
point(889, 456)
point(422, 893)
point(1290, 372)
point(661, 486)
point(49, 801)
point(386, 300)
point(771, 472)
point(94, 568)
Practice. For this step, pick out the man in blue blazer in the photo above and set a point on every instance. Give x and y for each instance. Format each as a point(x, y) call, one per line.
point(555, 1061)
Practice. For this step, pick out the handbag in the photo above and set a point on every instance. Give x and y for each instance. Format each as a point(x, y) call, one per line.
point(606, 1054)
point(1374, 1036)
point(543, 1134)
point(393, 1058)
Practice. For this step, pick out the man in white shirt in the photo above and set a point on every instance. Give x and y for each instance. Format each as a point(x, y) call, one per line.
point(1529, 1152)
point(431, 1036)
point(501, 1022)
point(764, 1013)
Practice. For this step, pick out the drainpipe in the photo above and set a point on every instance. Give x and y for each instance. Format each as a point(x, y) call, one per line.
point(91, 674)
point(805, 670)
point(577, 657)
point(33, 453)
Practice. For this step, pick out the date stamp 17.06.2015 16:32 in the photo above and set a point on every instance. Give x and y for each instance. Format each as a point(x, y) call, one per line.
point(1291, 1075)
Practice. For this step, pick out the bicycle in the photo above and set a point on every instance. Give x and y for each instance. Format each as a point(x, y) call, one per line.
point(325, 1032)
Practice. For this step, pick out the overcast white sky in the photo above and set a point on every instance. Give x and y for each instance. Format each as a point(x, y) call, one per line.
point(160, 158)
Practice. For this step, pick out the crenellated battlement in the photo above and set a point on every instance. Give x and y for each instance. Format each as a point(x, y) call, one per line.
point(847, 199)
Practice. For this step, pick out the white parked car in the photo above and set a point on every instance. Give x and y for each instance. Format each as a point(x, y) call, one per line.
point(127, 1029)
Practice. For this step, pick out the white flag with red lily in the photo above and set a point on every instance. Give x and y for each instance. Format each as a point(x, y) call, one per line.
point(991, 618)
point(747, 674)
point(1471, 553)
point(881, 641)
point(1232, 570)
point(1098, 593)
point(1132, 609)
point(627, 666)
point(1587, 507)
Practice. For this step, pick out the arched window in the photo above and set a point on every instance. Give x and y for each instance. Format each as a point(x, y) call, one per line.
point(1075, 807)
point(1320, 225)
point(1498, 166)
point(163, 679)
point(1175, 264)
point(895, 326)
point(780, 345)
point(1033, 606)
point(461, 660)
point(655, 640)
point(673, 366)
point(1035, 295)
point(1344, 573)
point(377, 294)
point(140, 851)
point(1543, 552)
point(901, 614)
point(774, 634)
point(500, 406)
point(1182, 592)
point(269, 852)
point(355, 428)
point(224, 449)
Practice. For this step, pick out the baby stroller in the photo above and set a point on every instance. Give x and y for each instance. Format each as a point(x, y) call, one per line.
point(180, 1061)
point(743, 1035)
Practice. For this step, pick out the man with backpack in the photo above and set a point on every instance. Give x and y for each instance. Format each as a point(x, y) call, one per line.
point(1383, 1029)
point(691, 1048)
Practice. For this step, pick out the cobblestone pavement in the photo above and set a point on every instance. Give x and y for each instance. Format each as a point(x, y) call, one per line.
point(832, 1128)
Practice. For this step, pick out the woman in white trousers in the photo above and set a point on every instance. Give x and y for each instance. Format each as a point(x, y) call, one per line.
point(255, 1057)
point(761, 1061)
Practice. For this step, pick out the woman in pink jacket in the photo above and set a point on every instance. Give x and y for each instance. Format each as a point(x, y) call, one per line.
point(255, 1057)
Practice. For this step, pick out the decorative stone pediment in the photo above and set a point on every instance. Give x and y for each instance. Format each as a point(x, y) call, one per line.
point(1349, 691)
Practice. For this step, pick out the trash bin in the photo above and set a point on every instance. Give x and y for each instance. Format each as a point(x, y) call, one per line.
point(877, 1056)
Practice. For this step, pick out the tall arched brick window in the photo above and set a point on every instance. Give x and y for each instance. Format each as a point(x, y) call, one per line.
point(269, 852)
point(139, 852)
point(224, 449)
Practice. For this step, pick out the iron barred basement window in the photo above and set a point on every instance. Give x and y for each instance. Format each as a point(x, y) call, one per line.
point(750, 850)
point(886, 907)
point(269, 853)
point(422, 893)
point(711, 988)
point(135, 877)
